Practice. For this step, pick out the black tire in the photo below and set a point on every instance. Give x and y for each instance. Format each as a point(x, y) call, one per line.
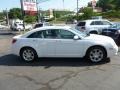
point(93, 32)
point(31, 54)
point(96, 54)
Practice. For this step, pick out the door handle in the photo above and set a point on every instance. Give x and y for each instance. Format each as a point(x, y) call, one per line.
point(34, 40)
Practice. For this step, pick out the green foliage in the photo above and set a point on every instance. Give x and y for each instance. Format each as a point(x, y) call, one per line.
point(30, 19)
point(59, 14)
point(111, 14)
point(15, 13)
point(107, 5)
point(87, 13)
point(117, 4)
point(2, 16)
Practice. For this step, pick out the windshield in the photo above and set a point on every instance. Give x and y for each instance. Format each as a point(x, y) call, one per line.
point(116, 25)
point(79, 32)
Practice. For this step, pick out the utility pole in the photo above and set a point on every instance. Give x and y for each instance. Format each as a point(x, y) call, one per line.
point(7, 17)
point(23, 14)
point(77, 9)
point(63, 5)
point(38, 13)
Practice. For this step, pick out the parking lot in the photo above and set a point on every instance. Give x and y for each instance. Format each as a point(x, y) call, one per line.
point(56, 74)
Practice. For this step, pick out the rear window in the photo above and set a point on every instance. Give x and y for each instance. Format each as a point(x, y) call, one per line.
point(81, 24)
point(38, 25)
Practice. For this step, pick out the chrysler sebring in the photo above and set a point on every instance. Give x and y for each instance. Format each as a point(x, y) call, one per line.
point(62, 41)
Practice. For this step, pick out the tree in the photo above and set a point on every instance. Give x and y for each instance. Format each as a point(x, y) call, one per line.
point(89, 4)
point(107, 5)
point(117, 4)
point(15, 13)
point(30, 19)
point(88, 12)
point(2, 16)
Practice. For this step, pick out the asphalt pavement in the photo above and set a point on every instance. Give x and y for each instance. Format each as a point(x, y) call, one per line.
point(56, 74)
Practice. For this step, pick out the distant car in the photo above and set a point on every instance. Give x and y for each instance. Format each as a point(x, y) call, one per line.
point(71, 21)
point(113, 32)
point(62, 41)
point(38, 25)
point(93, 26)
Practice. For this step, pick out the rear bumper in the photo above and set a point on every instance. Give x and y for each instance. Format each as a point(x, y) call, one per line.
point(14, 50)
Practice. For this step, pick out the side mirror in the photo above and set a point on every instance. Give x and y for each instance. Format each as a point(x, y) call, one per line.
point(76, 37)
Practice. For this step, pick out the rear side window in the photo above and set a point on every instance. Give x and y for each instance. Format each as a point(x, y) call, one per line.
point(81, 24)
point(38, 34)
point(106, 23)
point(96, 23)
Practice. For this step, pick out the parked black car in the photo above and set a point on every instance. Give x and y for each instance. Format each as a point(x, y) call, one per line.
point(113, 31)
point(38, 25)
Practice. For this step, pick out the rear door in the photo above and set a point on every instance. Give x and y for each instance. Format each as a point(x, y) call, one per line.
point(81, 26)
point(43, 43)
point(99, 25)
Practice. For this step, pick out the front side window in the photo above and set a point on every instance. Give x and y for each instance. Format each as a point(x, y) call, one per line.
point(64, 34)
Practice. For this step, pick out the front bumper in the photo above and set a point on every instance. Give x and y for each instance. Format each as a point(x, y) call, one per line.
point(112, 51)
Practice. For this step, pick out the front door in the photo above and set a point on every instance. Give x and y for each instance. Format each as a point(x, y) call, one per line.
point(66, 46)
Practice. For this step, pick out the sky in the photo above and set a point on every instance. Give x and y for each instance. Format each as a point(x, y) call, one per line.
point(49, 4)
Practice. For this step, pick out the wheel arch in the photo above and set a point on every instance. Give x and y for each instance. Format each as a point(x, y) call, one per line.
point(27, 47)
point(94, 31)
point(96, 46)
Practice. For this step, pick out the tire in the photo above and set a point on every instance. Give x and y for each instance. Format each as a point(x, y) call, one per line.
point(28, 54)
point(93, 32)
point(96, 54)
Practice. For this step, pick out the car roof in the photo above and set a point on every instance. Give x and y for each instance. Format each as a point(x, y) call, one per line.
point(52, 27)
point(89, 20)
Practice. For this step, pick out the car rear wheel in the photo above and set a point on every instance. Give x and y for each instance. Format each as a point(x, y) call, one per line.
point(28, 54)
point(93, 32)
point(96, 54)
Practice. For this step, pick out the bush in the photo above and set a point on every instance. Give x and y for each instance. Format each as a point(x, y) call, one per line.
point(30, 19)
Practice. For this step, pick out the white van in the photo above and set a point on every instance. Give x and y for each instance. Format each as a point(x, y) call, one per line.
point(17, 25)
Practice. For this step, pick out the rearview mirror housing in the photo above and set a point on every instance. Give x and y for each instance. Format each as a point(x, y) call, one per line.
point(76, 37)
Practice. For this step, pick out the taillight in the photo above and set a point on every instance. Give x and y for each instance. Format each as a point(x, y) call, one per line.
point(14, 40)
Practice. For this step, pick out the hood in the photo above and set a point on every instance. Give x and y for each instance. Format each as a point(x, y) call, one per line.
point(95, 37)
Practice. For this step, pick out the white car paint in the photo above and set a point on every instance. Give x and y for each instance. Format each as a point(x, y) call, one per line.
point(63, 47)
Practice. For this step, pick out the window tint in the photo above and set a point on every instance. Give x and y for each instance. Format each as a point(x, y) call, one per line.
point(50, 34)
point(106, 23)
point(96, 23)
point(64, 34)
point(53, 34)
point(81, 24)
point(38, 34)
point(38, 25)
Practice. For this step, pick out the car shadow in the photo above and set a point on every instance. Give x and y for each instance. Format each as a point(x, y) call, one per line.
point(12, 60)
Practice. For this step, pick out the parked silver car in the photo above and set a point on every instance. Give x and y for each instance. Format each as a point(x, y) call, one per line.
point(93, 26)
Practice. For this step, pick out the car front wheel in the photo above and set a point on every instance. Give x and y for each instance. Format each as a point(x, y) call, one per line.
point(28, 54)
point(96, 54)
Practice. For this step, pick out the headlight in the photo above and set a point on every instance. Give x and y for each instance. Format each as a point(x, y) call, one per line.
point(117, 32)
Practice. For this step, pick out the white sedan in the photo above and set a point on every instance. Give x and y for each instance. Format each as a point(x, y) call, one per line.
point(62, 41)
